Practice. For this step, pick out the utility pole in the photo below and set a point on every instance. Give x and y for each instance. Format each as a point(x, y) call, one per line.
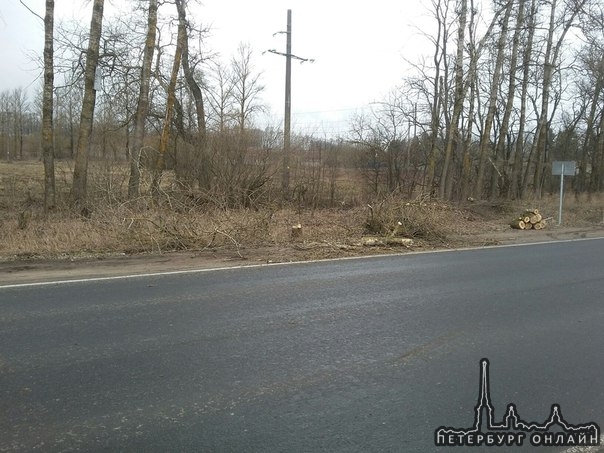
point(288, 101)
point(288, 107)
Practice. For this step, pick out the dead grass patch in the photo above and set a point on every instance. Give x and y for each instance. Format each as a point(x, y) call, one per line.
point(179, 222)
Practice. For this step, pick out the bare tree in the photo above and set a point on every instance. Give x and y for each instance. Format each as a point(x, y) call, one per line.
point(453, 132)
point(590, 86)
point(5, 120)
point(247, 86)
point(485, 139)
point(238, 163)
point(143, 101)
point(171, 100)
point(381, 134)
point(189, 71)
point(441, 11)
point(18, 101)
point(220, 97)
point(551, 58)
point(80, 172)
point(47, 108)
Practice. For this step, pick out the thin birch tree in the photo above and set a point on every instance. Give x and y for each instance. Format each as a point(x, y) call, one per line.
point(47, 108)
point(80, 172)
point(485, 139)
point(170, 101)
point(143, 102)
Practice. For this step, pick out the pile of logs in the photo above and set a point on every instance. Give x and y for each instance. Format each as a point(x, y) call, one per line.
point(529, 220)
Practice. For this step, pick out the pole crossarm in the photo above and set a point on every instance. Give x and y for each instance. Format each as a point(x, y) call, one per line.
point(295, 57)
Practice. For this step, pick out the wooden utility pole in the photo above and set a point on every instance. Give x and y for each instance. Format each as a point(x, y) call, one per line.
point(288, 101)
point(288, 107)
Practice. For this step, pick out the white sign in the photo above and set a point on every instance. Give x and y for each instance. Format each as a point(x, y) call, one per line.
point(563, 168)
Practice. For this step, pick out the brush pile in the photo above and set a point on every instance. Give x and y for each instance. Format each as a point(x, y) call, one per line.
point(530, 219)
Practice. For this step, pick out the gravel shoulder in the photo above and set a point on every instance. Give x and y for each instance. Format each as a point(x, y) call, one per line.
point(24, 271)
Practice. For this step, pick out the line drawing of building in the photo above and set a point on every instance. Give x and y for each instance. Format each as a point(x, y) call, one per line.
point(512, 421)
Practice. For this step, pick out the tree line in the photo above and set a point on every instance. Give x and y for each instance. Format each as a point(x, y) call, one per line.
point(509, 87)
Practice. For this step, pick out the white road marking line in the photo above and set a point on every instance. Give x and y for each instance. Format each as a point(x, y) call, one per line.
point(252, 266)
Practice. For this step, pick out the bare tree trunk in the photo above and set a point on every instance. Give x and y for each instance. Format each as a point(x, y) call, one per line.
point(485, 139)
point(589, 141)
point(466, 168)
point(436, 106)
point(165, 135)
point(518, 182)
point(466, 161)
point(550, 59)
point(499, 149)
point(80, 172)
point(470, 84)
point(47, 109)
point(188, 72)
point(143, 102)
point(18, 112)
point(446, 180)
point(597, 161)
point(542, 123)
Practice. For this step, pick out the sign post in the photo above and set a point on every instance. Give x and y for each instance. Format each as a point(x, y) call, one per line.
point(563, 168)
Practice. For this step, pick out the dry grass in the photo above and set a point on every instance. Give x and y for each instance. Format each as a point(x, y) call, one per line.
point(178, 223)
point(578, 210)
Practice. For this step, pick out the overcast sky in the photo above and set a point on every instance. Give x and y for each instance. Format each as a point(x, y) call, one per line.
point(359, 47)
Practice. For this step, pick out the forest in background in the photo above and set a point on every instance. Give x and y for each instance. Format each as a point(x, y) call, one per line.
point(137, 100)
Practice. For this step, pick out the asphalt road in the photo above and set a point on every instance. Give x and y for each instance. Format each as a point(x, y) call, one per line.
point(355, 355)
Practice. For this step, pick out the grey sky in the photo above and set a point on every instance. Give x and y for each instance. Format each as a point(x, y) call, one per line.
point(359, 47)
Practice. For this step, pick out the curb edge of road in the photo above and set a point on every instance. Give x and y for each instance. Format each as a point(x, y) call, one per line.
point(253, 266)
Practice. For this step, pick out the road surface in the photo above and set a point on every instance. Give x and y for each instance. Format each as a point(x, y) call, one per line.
point(369, 354)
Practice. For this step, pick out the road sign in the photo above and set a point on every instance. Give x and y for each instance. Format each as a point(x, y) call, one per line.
point(563, 168)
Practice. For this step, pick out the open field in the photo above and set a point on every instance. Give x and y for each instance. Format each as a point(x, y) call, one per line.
point(121, 228)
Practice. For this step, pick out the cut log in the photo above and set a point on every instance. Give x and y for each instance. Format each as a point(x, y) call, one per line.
point(399, 241)
point(372, 241)
point(518, 224)
point(531, 212)
point(530, 219)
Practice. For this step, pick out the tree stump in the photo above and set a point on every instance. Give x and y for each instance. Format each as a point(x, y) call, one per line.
point(296, 232)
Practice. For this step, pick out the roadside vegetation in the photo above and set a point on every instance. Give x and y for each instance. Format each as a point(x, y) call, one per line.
point(144, 141)
point(178, 221)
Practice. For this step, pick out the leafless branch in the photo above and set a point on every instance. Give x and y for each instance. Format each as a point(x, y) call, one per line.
point(32, 11)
